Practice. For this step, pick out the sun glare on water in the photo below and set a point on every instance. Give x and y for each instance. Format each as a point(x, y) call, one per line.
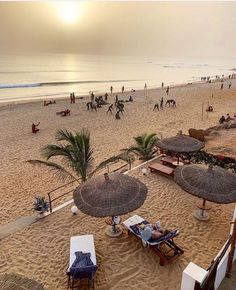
point(69, 12)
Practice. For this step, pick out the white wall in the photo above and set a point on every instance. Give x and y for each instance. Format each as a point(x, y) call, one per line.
point(194, 273)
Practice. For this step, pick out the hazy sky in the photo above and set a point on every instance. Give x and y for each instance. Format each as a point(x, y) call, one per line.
point(123, 28)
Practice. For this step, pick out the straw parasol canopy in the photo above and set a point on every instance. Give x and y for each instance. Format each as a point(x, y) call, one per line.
point(17, 282)
point(210, 183)
point(180, 144)
point(110, 195)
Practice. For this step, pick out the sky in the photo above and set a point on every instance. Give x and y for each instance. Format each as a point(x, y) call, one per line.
point(166, 29)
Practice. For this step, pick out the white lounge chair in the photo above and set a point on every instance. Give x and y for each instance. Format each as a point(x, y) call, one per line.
point(85, 244)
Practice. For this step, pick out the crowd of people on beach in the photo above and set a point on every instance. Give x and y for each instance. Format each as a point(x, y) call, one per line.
point(217, 77)
point(118, 106)
point(98, 101)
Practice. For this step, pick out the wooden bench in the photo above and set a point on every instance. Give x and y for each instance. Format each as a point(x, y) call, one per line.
point(168, 160)
point(157, 167)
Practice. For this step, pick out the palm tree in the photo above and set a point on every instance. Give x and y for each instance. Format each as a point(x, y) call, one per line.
point(145, 146)
point(76, 155)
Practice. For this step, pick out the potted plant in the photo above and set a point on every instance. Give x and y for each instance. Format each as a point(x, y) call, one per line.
point(40, 204)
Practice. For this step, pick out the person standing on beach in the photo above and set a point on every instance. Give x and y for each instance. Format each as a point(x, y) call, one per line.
point(167, 90)
point(230, 85)
point(111, 88)
point(106, 96)
point(161, 103)
point(162, 85)
point(71, 98)
point(116, 101)
point(92, 97)
point(222, 86)
point(122, 89)
point(145, 86)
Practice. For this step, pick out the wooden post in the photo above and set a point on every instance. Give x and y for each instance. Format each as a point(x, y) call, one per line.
point(207, 109)
point(232, 250)
point(202, 110)
point(50, 202)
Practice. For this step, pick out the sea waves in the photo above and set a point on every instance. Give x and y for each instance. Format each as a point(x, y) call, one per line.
point(59, 83)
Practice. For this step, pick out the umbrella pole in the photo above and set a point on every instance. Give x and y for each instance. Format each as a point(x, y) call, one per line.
point(232, 250)
point(113, 225)
point(203, 207)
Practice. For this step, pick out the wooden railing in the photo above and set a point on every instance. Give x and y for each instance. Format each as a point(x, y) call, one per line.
point(51, 199)
point(52, 192)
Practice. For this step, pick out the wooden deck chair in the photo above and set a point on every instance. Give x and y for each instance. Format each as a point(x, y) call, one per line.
point(164, 247)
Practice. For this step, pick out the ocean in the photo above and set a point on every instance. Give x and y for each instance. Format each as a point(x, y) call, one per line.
point(51, 76)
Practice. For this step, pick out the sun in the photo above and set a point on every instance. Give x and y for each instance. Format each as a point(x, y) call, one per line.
point(69, 12)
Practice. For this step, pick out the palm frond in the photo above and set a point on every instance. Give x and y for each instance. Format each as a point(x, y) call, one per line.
point(64, 135)
point(149, 138)
point(56, 150)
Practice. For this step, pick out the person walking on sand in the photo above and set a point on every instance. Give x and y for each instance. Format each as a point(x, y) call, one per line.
point(156, 106)
point(110, 109)
point(116, 101)
point(222, 86)
point(145, 86)
point(162, 85)
point(34, 128)
point(111, 88)
point(167, 90)
point(122, 89)
point(106, 96)
point(71, 98)
point(92, 97)
point(161, 103)
point(230, 85)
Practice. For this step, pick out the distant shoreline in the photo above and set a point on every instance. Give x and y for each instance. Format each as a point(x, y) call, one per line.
point(87, 96)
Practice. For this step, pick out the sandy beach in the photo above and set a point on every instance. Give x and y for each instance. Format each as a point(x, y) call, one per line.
point(41, 251)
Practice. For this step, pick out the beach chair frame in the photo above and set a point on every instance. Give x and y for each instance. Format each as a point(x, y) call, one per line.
point(171, 253)
point(81, 243)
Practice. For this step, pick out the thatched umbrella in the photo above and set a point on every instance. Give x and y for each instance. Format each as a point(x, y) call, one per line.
point(17, 282)
point(110, 194)
point(213, 184)
point(180, 144)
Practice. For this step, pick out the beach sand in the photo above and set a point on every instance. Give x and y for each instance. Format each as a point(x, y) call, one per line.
point(41, 251)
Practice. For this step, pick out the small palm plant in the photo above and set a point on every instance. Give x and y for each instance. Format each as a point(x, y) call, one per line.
point(75, 152)
point(145, 146)
point(40, 204)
